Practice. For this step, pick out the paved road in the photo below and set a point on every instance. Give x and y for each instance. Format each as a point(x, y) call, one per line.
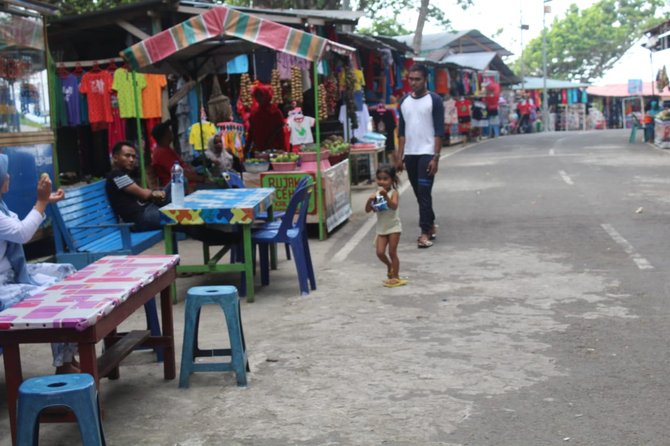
point(538, 318)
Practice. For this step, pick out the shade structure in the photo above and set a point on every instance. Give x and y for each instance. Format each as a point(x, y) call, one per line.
point(216, 36)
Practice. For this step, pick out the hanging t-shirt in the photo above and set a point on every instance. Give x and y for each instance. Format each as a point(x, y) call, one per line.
point(450, 116)
point(385, 123)
point(123, 85)
point(199, 140)
point(441, 81)
point(70, 89)
point(97, 86)
point(301, 131)
point(152, 95)
point(83, 105)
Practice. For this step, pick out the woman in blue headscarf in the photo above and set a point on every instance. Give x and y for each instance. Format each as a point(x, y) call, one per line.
point(19, 279)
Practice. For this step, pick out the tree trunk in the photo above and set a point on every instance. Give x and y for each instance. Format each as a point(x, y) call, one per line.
point(423, 12)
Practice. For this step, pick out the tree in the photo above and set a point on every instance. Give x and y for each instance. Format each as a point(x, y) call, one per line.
point(584, 44)
point(69, 7)
point(385, 27)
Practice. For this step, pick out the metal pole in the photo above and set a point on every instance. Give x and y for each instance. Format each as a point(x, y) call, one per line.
point(138, 126)
point(521, 27)
point(320, 205)
point(545, 106)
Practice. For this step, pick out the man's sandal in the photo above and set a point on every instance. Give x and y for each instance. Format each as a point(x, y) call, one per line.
point(423, 243)
point(392, 283)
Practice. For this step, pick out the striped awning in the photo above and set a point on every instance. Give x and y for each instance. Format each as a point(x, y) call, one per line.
point(221, 21)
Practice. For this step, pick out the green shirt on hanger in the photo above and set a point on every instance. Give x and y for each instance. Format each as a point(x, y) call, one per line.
point(123, 85)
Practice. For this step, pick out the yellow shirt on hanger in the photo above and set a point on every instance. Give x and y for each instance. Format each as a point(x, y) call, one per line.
point(198, 140)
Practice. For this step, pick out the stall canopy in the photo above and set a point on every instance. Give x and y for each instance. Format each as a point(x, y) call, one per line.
point(537, 83)
point(203, 42)
point(486, 60)
point(621, 90)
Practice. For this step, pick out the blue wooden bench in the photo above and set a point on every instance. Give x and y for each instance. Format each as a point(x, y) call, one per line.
point(86, 229)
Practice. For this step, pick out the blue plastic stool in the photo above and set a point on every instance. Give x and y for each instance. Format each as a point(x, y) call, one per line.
point(75, 391)
point(226, 297)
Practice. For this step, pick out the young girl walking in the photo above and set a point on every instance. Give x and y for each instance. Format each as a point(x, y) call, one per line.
point(384, 203)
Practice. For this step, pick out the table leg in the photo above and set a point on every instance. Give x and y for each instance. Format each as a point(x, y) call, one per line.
point(88, 361)
point(169, 249)
point(273, 247)
point(248, 262)
point(169, 369)
point(13, 379)
point(114, 374)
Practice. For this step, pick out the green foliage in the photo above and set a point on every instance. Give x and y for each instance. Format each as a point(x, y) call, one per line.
point(69, 7)
point(584, 44)
point(385, 27)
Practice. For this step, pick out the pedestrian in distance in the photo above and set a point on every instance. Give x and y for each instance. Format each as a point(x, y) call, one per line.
point(420, 132)
point(384, 203)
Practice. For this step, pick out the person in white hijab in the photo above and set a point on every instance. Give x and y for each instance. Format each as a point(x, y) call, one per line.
point(19, 279)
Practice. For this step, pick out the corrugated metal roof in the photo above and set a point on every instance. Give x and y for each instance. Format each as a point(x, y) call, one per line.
point(537, 83)
point(400, 46)
point(477, 61)
point(467, 41)
point(362, 40)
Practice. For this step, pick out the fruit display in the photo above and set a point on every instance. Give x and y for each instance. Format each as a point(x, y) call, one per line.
point(323, 102)
point(331, 94)
point(245, 90)
point(275, 82)
point(350, 87)
point(286, 158)
point(338, 149)
point(335, 144)
point(296, 85)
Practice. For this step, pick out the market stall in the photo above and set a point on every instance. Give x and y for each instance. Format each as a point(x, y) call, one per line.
point(204, 43)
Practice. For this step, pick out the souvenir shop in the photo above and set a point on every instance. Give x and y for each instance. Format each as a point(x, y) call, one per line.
point(242, 78)
point(567, 102)
point(26, 136)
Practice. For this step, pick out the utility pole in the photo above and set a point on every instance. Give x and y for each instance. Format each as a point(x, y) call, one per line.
point(545, 105)
point(521, 28)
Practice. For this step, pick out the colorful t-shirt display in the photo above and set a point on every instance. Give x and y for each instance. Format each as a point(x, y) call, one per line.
point(199, 140)
point(97, 86)
point(152, 95)
point(301, 128)
point(70, 89)
point(123, 85)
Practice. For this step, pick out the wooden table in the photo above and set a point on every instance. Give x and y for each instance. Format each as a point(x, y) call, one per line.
point(85, 308)
point(220, 207)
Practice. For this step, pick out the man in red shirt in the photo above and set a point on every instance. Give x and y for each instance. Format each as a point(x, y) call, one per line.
point(164, 156)
point(524, 114)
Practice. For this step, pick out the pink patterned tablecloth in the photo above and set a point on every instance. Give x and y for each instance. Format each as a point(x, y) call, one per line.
point(83, 298)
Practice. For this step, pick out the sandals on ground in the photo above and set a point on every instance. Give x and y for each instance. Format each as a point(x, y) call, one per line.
point(392, 283)
point(423, 243)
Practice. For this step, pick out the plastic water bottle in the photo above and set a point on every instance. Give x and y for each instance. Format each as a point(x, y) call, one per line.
point(177, 185)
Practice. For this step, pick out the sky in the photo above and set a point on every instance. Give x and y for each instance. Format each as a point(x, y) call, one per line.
point(488, 16)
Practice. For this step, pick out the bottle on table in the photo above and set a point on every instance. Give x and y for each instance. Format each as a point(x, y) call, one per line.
point(177, 185)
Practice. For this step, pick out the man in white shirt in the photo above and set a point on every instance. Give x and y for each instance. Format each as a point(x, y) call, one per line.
point(420, 132)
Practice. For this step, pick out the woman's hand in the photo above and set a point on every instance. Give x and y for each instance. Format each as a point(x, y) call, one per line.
point(44, 189)
point(57, 196)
